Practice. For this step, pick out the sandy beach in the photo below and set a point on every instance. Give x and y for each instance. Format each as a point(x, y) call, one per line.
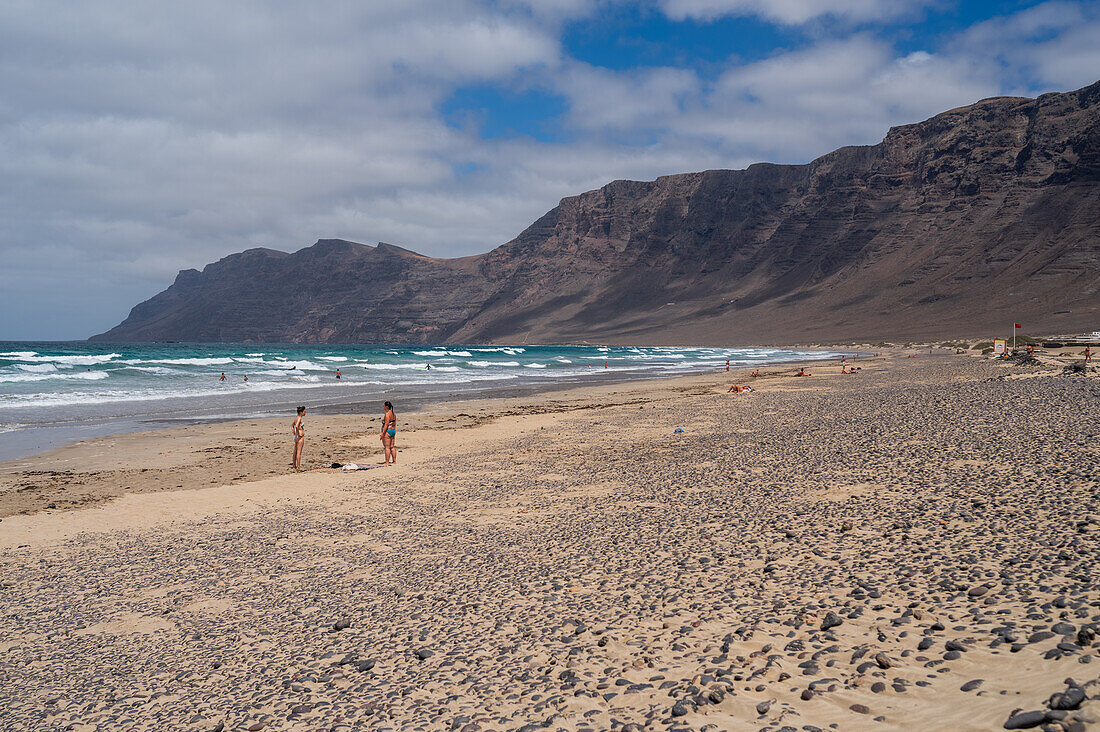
point(910, 547)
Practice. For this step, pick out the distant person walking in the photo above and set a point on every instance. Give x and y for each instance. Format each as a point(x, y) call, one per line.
point(388, 435)
point(1088, 354)
point(337, 373)
point(298, 427)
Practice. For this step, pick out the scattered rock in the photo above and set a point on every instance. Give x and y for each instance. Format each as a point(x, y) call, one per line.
point(831, 620)
point(1025, 720)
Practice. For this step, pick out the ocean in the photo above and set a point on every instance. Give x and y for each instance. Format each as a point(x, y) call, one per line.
point(53, 393)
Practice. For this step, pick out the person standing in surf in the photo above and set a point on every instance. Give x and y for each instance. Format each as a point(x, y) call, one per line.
point(388, 435)
point(298, 427)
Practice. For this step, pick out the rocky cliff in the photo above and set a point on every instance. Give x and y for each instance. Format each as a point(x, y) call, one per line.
point(957, 225)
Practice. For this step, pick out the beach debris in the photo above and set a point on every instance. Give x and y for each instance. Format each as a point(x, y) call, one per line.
point(341, 624)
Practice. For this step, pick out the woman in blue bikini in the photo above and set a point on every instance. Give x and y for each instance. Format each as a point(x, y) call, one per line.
point(388, 435)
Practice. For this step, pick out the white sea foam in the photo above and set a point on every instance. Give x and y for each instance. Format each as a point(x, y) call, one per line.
point(18, 355)
point(156, 370)
point(393, 366)
point(179, 361)
point(54, 399)
point(84, 376)
point(302, 365)
point(535, 365)
point(84, 360)
point(37, 368)
point(483, 364)
point(340, 359)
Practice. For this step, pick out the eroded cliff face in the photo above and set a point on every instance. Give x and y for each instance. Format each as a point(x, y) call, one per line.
point(979, 216)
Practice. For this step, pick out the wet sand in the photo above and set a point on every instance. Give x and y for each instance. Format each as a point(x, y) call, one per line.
point(911, 547)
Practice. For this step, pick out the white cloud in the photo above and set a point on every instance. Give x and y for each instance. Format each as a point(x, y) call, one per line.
point(793, 12)
point(639, 99)
point(788, 108)
point(1053, 45)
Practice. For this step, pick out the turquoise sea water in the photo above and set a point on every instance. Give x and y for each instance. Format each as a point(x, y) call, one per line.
point(56, 392)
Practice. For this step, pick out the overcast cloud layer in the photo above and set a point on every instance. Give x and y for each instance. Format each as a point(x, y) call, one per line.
point(137, 139)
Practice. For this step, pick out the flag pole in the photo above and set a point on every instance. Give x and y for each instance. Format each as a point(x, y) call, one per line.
point(1014, 336)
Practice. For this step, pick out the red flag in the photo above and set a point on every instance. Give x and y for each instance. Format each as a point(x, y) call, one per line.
point(1018, 325)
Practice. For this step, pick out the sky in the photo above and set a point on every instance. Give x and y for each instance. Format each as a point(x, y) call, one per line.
point(139, 139)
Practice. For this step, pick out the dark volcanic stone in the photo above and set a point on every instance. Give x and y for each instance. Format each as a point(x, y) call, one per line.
point(831, 620)
point(1025, 720)
point(1071, 698)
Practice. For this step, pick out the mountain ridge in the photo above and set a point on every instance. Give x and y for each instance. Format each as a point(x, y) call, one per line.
point(952, 226)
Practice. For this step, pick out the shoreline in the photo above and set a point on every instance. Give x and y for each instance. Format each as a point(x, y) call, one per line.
point(92, 470)
point(35, 432)
point(28, 441)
